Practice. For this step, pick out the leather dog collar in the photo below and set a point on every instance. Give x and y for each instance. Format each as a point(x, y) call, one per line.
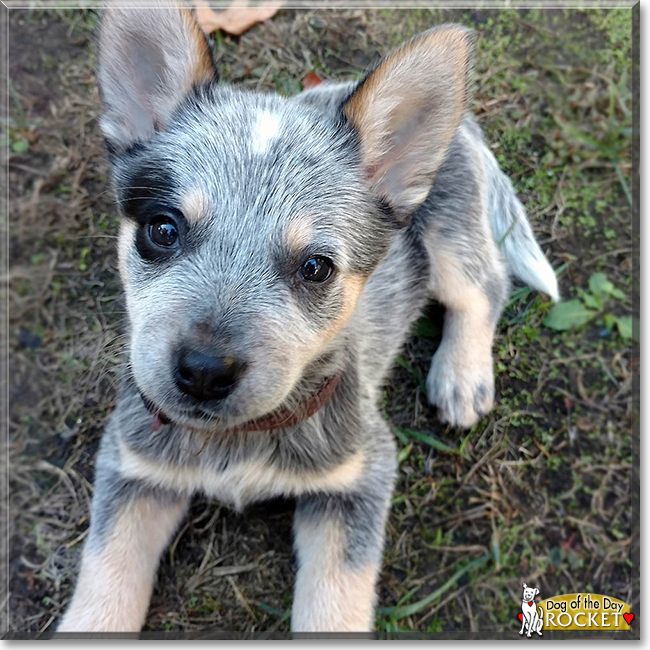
point(285, 418)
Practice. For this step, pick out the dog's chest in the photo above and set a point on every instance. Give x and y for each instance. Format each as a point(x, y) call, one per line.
point(241, 481)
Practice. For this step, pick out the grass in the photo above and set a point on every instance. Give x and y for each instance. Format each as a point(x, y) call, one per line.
point(538, 492)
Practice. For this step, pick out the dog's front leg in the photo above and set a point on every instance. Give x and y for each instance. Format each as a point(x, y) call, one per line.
point(523, 623)
point(335, 585)
point(131, 524)
point(339, 541)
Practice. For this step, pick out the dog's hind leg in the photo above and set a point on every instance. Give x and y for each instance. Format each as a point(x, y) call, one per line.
point(461, 380)
point(339, 541)
point(469, 277)
point(131, 524)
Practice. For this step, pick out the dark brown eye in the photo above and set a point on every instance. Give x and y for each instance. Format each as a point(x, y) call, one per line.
point(163, 232)
point(316, 269)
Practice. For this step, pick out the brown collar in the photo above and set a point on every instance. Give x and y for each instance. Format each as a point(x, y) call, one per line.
point(285, 418)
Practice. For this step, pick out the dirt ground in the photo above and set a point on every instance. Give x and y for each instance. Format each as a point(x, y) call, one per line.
point(541, 491)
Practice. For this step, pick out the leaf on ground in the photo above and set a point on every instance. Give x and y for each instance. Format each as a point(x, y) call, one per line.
point(397, 613)
point(20, 146)
point(610, 321)
point(429, 440)
point(311, 80)
point(237, 18)
point(566, 315)
point(624, 326)
point(600, 286)
point(592, 301)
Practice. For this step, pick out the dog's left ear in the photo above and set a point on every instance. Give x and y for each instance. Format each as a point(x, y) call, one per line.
point(407, 110)
point(536, 591)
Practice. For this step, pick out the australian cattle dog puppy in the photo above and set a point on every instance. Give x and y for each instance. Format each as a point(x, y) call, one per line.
point(275, 253)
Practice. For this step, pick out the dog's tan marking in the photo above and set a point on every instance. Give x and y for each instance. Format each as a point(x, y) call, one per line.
point(330, 596)
point(298, 234)
point(115, 581)
point(203, 68)
point(353, 285)
point(454, 289)
point(243, 482)
point(195, 205)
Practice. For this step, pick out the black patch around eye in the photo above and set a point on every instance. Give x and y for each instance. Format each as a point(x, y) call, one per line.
point(144, 187)
point(147, 196)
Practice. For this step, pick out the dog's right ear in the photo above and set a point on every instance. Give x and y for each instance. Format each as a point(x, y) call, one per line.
point(149, 59)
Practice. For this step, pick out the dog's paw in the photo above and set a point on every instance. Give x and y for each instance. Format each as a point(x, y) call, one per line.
point(461, 388)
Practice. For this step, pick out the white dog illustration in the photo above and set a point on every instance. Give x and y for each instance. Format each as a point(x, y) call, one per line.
point(532, 616)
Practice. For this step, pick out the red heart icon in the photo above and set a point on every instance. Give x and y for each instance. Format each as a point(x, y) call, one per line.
point(520, 616)
point(530, 603)
point(628, 617)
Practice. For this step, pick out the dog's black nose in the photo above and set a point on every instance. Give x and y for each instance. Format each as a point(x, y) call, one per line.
point(206, 376)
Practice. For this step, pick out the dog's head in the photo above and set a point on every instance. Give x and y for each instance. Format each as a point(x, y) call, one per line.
point(252, 223)
point(529, 593)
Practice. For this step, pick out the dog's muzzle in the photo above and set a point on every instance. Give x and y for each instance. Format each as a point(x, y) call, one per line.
point(280, 419)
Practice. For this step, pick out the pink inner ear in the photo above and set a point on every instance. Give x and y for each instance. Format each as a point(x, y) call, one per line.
point(406, 127)
point(400, 170)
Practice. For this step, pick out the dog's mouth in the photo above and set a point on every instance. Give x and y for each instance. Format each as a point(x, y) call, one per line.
point(280, 418)
point(160, 418)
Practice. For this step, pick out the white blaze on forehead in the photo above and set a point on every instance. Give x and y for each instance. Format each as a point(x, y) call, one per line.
point(266, 128)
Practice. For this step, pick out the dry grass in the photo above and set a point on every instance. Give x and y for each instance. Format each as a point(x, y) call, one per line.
point(540, 491)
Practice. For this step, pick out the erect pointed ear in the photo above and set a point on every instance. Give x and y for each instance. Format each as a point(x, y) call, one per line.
point(536, 591)
point(150, 57)
point(525, 586)
point(407, 110)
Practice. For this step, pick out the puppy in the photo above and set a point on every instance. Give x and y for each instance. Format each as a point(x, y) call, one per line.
point(532, 615)
point(275, 253)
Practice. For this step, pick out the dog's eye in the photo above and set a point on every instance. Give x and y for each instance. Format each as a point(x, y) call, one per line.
point(163, 232)
point(316, 269)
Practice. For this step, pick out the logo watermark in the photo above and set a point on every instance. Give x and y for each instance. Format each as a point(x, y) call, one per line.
point(573, 612)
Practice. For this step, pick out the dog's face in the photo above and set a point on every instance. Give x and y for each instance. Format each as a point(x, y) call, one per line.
point(252, 223)
point(253, 247)
point(529, 593)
